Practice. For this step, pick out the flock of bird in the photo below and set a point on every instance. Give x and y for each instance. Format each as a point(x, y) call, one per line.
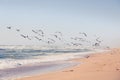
point(58, 36)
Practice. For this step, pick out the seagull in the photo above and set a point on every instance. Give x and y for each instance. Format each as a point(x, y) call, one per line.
point(76, 44)
point(34, 31)
point(98, 40)
point(38, 38)
point(97, 44)
point(84, 34)
point(37, 32)
point(55, 36)
point(9, 27)
point(59, 38)
point(41, 31)
point(77, 38)
point(59, 33)
point(23, 36)
point(41, 35)
point(81, 39)
point(51, 40)
point(48, 42)
point(26, 36)
point(18, 30)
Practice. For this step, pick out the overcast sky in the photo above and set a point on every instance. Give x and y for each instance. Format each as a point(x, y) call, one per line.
point(95, 17)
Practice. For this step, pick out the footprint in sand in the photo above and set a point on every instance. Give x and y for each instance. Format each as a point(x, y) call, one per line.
point(69, 71)
point(117, 69)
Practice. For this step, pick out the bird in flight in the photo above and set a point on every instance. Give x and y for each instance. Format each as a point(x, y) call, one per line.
point(18, 30)
point(38, 38)
point(23, 35)
point(9, 27)
point(84, 34)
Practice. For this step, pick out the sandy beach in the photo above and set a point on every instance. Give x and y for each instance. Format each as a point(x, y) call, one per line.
point(102, 66)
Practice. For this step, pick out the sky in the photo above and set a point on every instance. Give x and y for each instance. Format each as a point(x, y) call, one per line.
point(95, 17)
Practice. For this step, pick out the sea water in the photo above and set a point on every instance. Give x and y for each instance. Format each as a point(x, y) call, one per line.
point(21, 60)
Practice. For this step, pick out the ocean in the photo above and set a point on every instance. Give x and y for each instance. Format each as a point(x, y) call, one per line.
point(16, 61)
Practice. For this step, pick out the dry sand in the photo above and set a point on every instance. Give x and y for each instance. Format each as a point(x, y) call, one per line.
point(95, 67)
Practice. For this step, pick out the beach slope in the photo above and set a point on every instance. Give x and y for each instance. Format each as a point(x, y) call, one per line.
point(102, 66)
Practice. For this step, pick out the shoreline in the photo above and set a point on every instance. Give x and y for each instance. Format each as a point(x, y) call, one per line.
point(29, 70)
point(13, 63)
point(105, 66)
point(42, 68)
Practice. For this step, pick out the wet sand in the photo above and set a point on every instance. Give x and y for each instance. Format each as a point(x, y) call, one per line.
point(102, 66)
point(28, 70)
